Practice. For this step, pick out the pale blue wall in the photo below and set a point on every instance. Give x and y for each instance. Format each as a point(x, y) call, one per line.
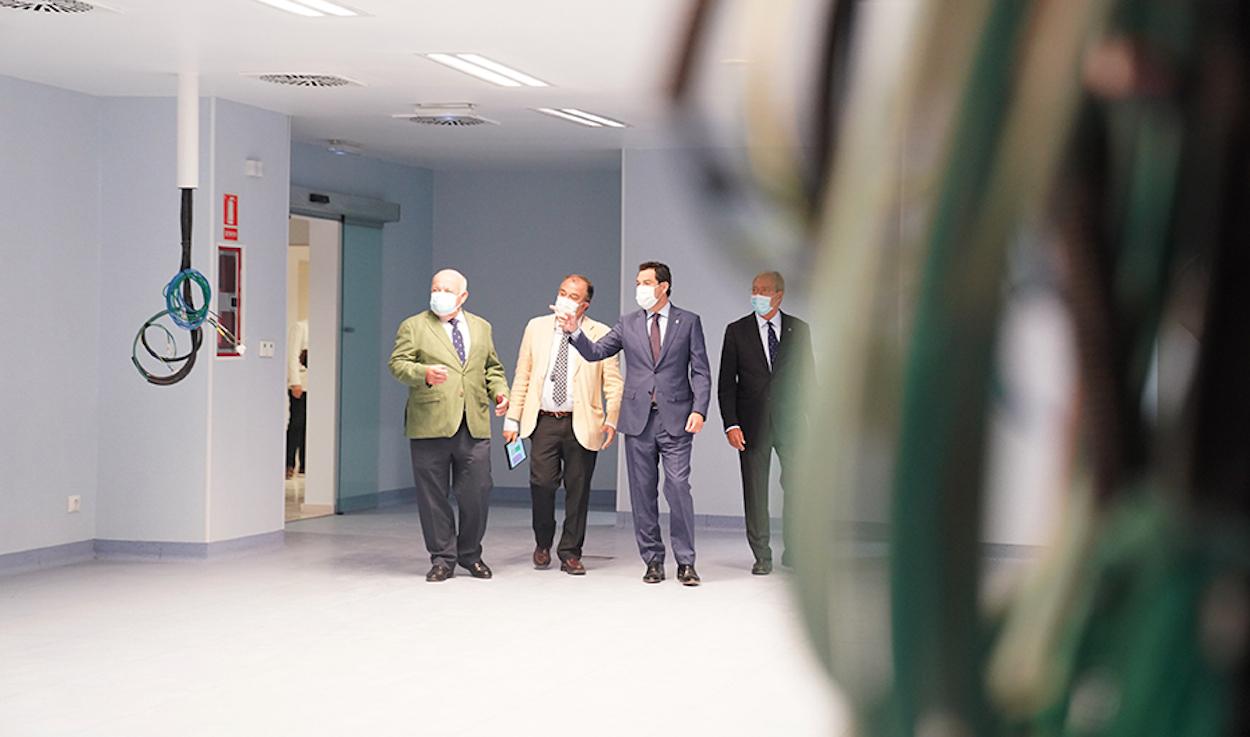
point(514, 233)
point(406, 259)
point(248, 396)
point(91, 213)
point(50, 250)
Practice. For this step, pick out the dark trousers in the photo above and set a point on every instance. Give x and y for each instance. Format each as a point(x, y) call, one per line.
point(644, 453)
point(756, 463)
point(297, 431)
point(556, 457)
point(464, 462)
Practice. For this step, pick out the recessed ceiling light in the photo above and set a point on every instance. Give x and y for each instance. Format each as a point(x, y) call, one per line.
point(310, 8)
point(487, 69)
point(329, 8)
point(568, 117)
point(596, 118)
point(590, 120)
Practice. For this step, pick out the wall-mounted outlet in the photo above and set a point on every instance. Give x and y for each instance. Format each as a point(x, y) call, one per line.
point(73, 504)
point(267, 348)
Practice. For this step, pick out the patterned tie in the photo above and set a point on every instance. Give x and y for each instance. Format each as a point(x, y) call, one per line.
point(772, 347)
point(655, 339)
point(457, 339)
point(560, 380)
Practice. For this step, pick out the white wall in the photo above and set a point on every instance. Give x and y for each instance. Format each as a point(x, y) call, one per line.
point(153, 440)
point(247, 396)
point(50, 242)
point(406, 258)
point(91, 236)
point(515, 233)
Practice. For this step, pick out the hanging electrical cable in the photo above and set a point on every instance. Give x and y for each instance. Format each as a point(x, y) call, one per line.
point(179, 293)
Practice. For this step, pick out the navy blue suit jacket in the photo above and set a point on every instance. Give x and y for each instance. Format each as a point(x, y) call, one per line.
point(681, 380)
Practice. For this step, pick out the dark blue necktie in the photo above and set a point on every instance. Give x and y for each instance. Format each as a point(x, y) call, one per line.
point(772, 347)
point(457, 339)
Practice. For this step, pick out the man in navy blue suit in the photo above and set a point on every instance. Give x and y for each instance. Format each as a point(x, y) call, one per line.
point(668, 386)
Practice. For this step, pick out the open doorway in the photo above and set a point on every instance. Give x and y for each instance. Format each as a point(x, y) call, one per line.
point(313, 262)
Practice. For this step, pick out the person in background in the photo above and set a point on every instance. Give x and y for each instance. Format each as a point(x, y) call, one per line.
point(297, 398)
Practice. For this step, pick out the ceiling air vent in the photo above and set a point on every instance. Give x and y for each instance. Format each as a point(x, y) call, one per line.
point(447, 114)
point(48, 6)
point(305, 80)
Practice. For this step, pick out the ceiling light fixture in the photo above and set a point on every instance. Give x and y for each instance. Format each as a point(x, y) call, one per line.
point(329, 8)
point(310, 8)
point(581, 117)
point(596, 118)
point(568, 117)
point(487, 69)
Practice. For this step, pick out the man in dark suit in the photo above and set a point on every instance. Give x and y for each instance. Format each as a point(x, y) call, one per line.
point(764, 358)
point(668, 386)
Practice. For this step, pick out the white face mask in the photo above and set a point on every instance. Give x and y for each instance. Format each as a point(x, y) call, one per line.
point(443, 303)
point(645, 296)
point(762, 304)
point(566, 306)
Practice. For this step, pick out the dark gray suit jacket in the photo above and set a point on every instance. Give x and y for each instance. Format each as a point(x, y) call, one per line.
point(681, 380)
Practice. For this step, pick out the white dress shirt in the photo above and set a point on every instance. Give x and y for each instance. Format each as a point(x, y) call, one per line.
point(296, 341)
point(548, 403)
point(461, 325)
point(762, 324)
point(663, 313)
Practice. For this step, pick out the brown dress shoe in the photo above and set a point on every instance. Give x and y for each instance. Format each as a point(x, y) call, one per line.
point(542, 557)
point(573, 567)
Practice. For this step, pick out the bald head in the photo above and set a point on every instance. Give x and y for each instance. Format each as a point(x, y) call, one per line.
point(448, 291)
point(450, 280)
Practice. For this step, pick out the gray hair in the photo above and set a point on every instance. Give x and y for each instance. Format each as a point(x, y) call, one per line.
point(464, 283)
point(779, 281)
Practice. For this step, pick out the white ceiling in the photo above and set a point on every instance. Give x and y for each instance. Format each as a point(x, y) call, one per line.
point(611, 57)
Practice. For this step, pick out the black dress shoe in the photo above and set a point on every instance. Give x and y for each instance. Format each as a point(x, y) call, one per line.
point(687, 576)
point(479, 570)
point(655, 572)
point(762, 568)
point(438, 573)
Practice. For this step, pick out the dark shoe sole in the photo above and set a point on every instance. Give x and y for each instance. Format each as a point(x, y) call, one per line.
point(691, 582)
point(566, 569)
point(542, 567)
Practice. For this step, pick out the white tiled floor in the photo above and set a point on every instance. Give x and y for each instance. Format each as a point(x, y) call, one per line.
point(338, 634)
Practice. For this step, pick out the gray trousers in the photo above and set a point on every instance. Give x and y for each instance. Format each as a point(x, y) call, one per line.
point(644, 453)
point(465, 462)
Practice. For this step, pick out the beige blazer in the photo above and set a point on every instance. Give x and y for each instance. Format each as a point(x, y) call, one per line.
point(596, 386)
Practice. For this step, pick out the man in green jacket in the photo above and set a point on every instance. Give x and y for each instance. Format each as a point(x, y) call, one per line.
point(447, 358)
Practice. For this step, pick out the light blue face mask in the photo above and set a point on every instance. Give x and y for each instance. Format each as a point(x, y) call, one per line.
point(443, 303)
point(762, 304)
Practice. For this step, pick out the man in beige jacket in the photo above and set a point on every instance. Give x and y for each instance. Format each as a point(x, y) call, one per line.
point(568, 407)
